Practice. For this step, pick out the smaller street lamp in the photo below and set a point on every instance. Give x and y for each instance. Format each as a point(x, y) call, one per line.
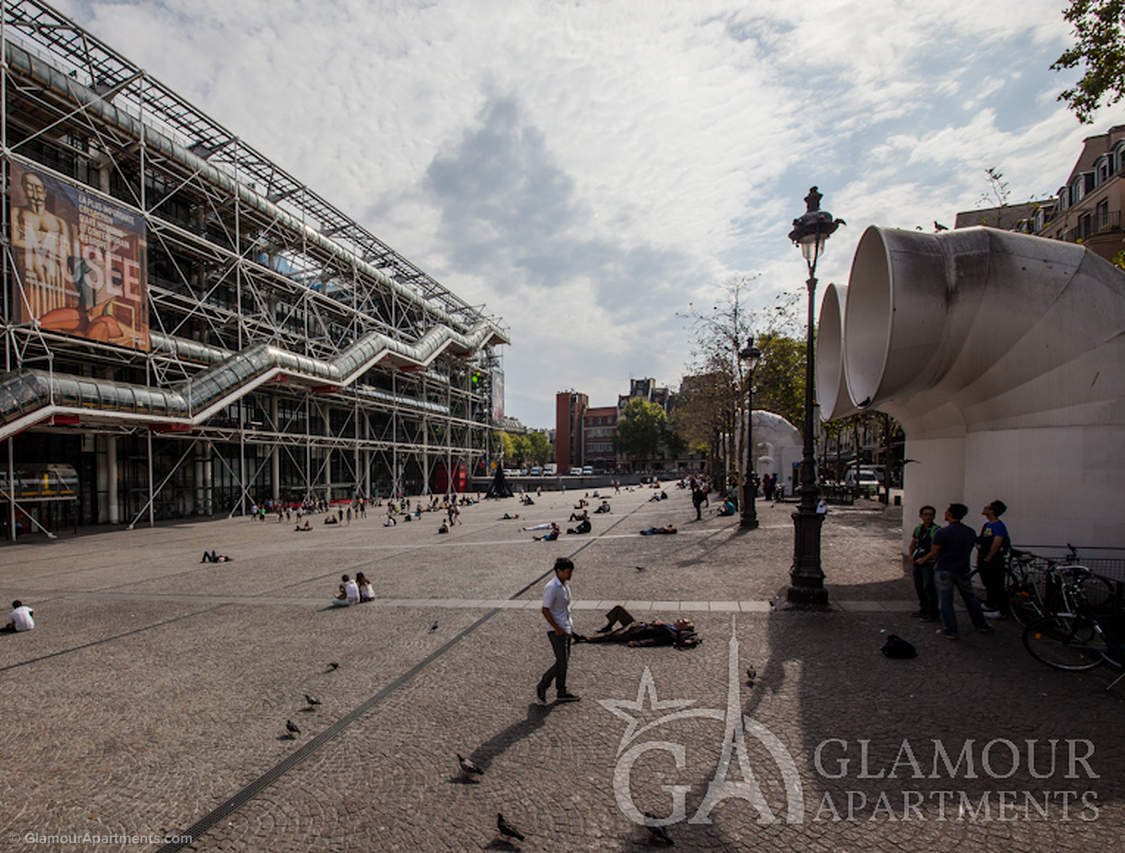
point(750, 355)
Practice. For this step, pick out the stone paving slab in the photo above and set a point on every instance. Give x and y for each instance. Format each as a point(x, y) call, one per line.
point(180, 703)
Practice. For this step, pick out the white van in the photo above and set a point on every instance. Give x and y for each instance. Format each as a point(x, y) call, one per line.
point(536, 471)
point(575, 471)
point(587, 470)
point(550, 469)
point(868, 480)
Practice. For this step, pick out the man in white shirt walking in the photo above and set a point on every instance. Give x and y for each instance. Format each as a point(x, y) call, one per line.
point(20, 619)
point(556, 610)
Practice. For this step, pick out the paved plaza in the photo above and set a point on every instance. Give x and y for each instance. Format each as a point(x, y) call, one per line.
point(150, 701)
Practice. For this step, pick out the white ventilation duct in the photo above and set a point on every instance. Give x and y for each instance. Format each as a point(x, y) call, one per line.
point(1003, 357)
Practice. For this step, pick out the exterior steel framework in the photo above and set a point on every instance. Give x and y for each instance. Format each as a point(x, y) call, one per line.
point(293, 355)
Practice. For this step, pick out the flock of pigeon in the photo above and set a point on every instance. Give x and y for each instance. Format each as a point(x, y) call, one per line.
point(470, 768)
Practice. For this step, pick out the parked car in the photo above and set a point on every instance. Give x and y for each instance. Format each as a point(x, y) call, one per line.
point(587, 469)
point(536, 471)
point(867, 481)
point(575, 471)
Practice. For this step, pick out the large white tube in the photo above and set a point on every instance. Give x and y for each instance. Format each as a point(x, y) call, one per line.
point(831, 387)
point(1003, 356)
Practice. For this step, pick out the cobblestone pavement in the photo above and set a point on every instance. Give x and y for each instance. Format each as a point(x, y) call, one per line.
point(153, 695)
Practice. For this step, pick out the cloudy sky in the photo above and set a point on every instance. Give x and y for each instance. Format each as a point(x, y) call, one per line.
point(588, 169)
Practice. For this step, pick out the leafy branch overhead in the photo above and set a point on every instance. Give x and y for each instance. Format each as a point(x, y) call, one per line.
point(1099, 50)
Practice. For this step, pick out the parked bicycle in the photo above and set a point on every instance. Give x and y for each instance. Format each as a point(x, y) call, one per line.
point(1086, 632)
point(1039, 586)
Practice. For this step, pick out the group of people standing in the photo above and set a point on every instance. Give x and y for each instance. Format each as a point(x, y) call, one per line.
point(941, 559)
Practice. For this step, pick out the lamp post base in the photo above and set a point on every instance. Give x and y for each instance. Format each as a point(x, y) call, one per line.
point(806, 579)
point(805, 598)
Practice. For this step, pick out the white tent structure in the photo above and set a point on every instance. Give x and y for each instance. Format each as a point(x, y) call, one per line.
point(1003, 357)
point(777, 446)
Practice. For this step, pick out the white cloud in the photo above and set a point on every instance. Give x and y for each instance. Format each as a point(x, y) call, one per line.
point(588, 169)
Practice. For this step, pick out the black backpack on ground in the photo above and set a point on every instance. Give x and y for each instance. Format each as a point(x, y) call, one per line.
point(897, 647)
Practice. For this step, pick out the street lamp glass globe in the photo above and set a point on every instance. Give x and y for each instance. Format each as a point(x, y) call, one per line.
point(812, 246)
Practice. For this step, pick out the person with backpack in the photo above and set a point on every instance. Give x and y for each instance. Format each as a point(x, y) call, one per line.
point(921, 544)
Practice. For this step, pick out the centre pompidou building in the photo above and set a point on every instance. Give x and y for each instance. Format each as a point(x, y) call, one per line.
point(188, 328)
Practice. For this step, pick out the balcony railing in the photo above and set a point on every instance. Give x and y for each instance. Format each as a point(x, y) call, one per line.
point(1105, 223)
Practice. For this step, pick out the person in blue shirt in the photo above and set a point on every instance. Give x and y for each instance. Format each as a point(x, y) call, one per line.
point(952, 547)
point(994, 544)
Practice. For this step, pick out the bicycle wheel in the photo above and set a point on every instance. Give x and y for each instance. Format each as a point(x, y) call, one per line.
point(1065, 641)
point(1024, 601)
point(1096, 593)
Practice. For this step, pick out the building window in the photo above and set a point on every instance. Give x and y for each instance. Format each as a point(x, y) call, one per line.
point(1119, 156)
point(1085, 225)
point(1101, 169)
point(1076, 190)
point(1062, 198)
point(1103, 215)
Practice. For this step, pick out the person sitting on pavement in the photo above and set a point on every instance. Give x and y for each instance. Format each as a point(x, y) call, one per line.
point(444, 527)
point(603, 507)
point(583, 526)
point(729, 507)
point(330, 519)
point(300, 529)
point(366, 590)
point(578, 516)
point(212, 557)
point(551, 535)
point(659, 531)
point(349, 593)
point(680, 633)
point(20, 619)
point(527, 501)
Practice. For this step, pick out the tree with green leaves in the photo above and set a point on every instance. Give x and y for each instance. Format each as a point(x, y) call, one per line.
point(1099, 50)
point(539, 447)
point(640, 430)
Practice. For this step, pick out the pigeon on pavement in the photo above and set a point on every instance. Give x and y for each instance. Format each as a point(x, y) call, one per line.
point(433, 627)
point(332, 667)
point(291, 727)
point(506, 829)
point(312, 700)
point(639, 568)
point(468, 767)
point(657, 833)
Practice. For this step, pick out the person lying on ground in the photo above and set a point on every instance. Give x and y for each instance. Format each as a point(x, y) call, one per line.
point(680, 634)
point(509, 517)
point(550, 536)
point(658, 531)
point(20, 619)
point(349, 593)
point(212, 557)
point(299, 529)
point(583, 526)
point(330, 519)
point(546, 525)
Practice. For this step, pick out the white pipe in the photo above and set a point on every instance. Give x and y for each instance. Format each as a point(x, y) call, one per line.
point(1003, 357)
point(831, 387)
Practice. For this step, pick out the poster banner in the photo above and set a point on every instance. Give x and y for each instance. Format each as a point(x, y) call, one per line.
point(497, 396)
point(81, 259)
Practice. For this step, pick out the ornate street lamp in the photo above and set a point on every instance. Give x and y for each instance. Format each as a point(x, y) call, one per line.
point(749, 355)
point(806, 579)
